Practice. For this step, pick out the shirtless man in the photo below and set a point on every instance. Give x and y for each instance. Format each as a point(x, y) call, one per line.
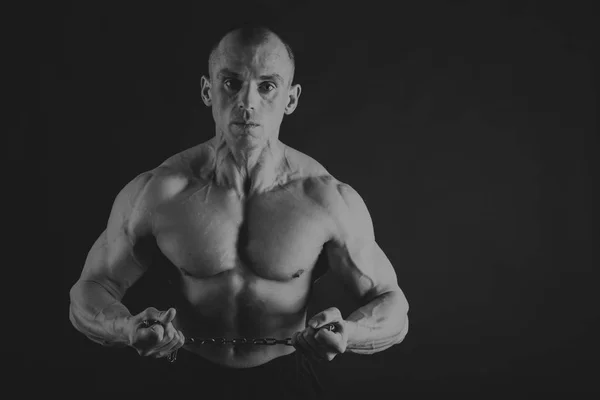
point(242, 218)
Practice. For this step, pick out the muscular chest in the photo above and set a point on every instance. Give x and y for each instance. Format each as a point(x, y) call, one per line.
point(276, 235)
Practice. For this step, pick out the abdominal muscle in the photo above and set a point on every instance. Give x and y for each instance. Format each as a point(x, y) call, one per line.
point(238, 304)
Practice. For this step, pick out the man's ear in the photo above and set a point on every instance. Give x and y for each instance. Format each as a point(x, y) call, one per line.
point(293, 96)
point(205, 91)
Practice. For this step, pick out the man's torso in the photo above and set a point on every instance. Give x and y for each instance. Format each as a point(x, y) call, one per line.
point(245, 264)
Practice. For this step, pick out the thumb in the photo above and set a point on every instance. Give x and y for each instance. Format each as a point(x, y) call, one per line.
point(167, 316)
point(325, 317)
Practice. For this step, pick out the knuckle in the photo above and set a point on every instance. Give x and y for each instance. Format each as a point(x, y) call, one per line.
point(319, 338)
point(165, 352)
point(150, 311)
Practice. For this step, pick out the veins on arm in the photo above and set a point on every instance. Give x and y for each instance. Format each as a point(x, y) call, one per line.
point(359, 262)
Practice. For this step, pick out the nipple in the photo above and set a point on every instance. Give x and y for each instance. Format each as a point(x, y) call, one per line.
point(297, 274)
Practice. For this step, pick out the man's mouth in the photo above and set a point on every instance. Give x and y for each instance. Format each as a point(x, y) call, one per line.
point(248, 124)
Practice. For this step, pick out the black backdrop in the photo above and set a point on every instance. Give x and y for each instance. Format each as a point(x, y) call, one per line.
point(469, 130)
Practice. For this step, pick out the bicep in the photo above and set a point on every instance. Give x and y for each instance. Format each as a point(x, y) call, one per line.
point(353, 254)
point(364, 269)
point(111, 262)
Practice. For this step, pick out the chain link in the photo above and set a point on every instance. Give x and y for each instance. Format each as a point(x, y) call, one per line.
point(223, 341)
point(238, 341)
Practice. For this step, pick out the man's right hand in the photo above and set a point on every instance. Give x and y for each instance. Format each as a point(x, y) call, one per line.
point(157, 340)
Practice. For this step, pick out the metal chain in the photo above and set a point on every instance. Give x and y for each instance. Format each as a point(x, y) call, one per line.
point(236, 341)
point(223, 341)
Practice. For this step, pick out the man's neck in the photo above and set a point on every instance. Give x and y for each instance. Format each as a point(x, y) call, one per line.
point(245, 170)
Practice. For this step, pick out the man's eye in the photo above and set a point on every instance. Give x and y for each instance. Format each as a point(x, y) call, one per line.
point(267, 87)
point(232, 84)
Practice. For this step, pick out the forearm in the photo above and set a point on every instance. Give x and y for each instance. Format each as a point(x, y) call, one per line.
point(98, 314)
point(379, 324)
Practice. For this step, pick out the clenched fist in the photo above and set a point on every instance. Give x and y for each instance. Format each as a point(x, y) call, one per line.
point(325, 337)
point(158, 339)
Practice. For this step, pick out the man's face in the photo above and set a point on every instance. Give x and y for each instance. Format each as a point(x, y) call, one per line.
point(250, 90)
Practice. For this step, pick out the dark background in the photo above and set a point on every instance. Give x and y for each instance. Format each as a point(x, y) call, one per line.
point(468, 129)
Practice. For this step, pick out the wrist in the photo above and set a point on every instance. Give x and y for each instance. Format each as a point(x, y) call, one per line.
point(125, 327)
point(351, 328)
point(117, 323)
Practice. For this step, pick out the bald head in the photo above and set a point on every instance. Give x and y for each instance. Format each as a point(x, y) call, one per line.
point(249, 86)
point(248, 37)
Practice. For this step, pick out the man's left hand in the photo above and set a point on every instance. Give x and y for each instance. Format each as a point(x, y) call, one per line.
point(317, 341)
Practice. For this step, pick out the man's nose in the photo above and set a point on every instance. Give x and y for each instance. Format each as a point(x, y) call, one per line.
point(248, 98)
